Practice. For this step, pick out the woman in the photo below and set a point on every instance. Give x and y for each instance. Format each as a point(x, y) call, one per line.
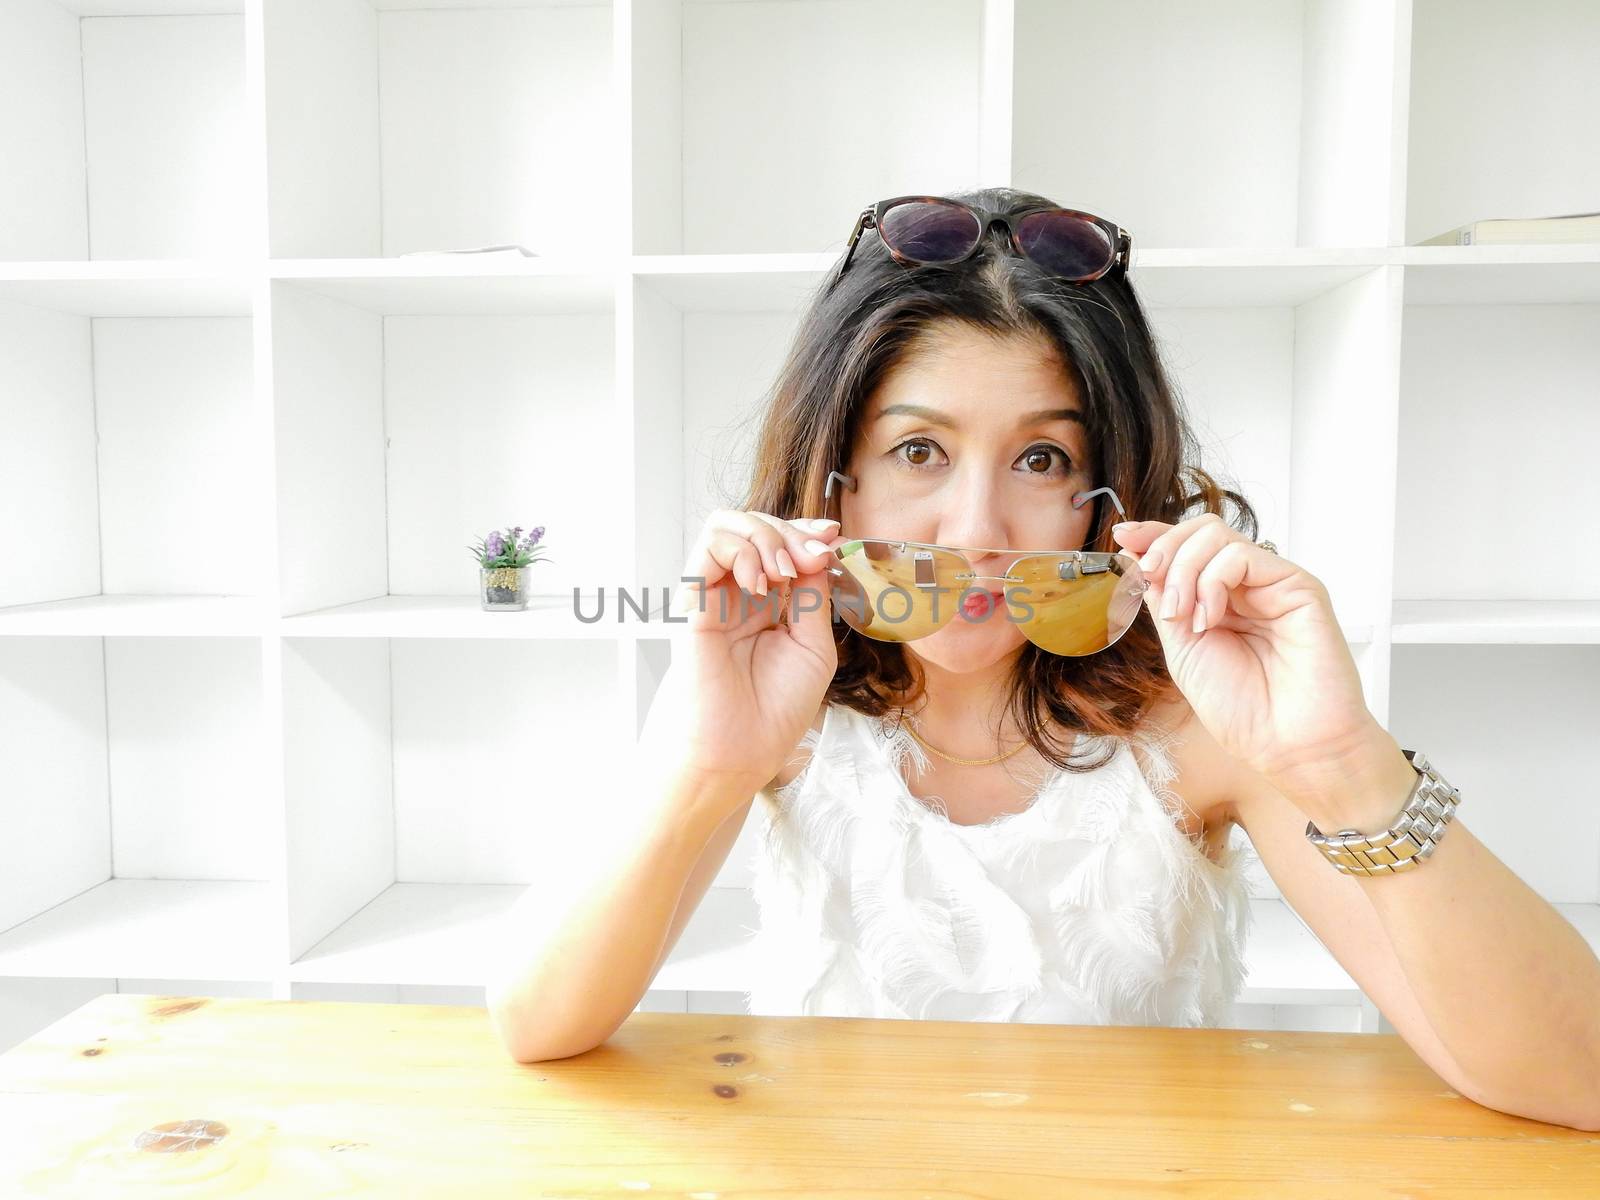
point(944, 393)
point(980, 388)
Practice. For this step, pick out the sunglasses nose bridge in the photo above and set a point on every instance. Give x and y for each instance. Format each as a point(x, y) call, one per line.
point(1008, 233)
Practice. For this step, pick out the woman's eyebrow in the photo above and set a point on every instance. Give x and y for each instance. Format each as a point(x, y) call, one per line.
point(934, 416)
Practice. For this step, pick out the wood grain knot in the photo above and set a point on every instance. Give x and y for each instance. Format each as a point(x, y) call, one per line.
point(177, 1008)
point(180, 1137)
point(730, 1058)
point(726, 1090)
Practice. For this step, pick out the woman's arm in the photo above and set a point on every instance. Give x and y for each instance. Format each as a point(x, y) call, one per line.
point(581, 947)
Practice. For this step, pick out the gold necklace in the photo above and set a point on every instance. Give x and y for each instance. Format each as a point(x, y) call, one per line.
point(966, 762)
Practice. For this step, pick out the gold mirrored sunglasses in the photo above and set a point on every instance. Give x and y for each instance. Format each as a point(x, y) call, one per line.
point(1067, 602)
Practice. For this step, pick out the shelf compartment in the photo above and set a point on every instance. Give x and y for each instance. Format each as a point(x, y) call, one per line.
point(152, 928)
point(1520, 719)
point(125, 138)
point(403, 439)
point(414, 933)
point(135, 815)
point(451, 765)
point(395, 127)
point(1240, 123)
point(1475, 152)
point(1496, 426)
point(123, 444)
point(725, 160)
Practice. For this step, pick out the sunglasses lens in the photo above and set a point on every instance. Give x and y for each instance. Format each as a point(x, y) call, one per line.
point(928, 232)
point(1073, 606)
point(1065, 244)
point(894, 592)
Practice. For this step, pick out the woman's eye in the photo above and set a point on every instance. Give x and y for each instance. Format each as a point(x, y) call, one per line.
point(1041, 456)
point(921, 448)
point(1038, 459)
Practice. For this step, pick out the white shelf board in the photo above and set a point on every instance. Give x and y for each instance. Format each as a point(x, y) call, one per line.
point(735, 282)
point(430, 933)
point(1178, 278)
point(151, 929)
point(458, 284)
point(1497, 622)
point(1286, 964)
point(135, 616)
point(434, 933)
point(1532, 274)
point(413, 5)
point(149, 8)
point(444, 934)
point(132, 288)
point(446, 284)
point(1225, 278)
point(713, 951)
point(462, 617)
point(1585, 919)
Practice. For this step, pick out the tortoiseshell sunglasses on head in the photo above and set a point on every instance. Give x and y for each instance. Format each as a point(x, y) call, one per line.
point(936, 230)
point(1067, 602)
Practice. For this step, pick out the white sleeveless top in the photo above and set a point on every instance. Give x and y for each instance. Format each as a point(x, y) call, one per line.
point(1091, 906)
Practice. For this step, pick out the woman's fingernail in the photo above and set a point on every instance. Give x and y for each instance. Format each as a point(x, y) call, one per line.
point(1199, 616)
point(1122, 527)
point(1169, 604)
point(815, 547)
point(1149, 561)
point(786, 564)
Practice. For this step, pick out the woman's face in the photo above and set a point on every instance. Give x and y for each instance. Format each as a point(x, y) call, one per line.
point(972, 441)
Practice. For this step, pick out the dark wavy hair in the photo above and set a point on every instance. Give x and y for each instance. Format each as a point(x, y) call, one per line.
point(1139, 442)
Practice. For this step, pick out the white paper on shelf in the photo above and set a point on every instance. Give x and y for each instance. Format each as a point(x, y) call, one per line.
point(518, 250)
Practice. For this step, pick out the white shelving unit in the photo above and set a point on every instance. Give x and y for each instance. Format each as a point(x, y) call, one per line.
point(257, 736)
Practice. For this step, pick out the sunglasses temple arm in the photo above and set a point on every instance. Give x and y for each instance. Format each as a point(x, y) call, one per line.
point(831, 503)
point(850, 246)
point(1083, 498)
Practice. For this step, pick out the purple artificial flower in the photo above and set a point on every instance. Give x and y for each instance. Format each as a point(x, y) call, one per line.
point(535, 534)
point(496, 545)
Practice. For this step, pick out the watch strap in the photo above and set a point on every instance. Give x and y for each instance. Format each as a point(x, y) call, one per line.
point(1405, 844)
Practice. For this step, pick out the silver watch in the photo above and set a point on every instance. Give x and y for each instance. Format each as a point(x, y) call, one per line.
point(1403, 846)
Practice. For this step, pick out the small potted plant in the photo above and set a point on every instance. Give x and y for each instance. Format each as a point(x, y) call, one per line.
point(504, 559)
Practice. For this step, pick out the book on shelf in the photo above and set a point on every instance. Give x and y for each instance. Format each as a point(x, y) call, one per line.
point(1502, 231)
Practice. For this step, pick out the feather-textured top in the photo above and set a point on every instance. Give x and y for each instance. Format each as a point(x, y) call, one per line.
point(1090, 906)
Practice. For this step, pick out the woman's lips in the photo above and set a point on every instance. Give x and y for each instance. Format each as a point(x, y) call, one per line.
point(980, 604)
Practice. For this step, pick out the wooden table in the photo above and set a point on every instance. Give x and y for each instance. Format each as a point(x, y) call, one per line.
point(146, 1096)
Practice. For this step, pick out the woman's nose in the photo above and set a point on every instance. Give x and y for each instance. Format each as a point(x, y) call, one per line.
point(973, 514)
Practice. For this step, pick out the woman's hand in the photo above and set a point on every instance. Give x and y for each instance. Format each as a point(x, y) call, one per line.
point(753, 660)
point(1269, 674)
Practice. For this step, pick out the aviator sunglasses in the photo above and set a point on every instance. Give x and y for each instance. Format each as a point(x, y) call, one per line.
point(1066, 602)
point(936, 231)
